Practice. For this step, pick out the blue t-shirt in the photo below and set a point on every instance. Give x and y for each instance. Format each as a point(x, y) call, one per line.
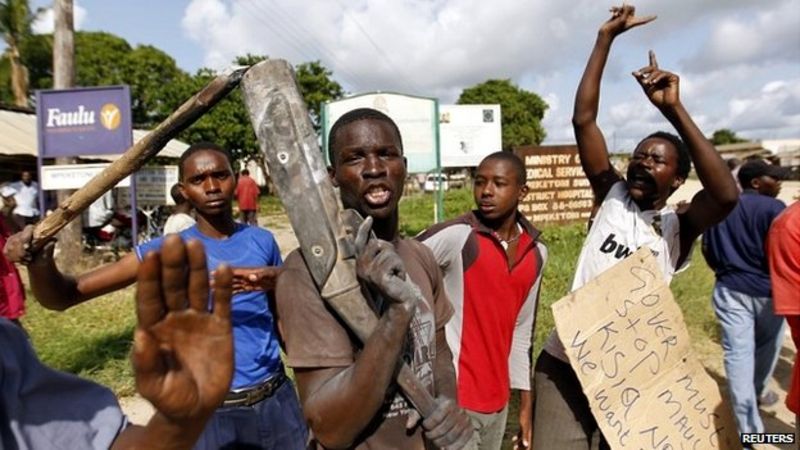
point(735, 247)
point(255, 341)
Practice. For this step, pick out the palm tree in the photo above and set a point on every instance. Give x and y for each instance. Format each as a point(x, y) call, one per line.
point(15, 24)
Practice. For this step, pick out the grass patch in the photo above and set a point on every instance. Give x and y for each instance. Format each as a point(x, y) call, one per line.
point(92, 340)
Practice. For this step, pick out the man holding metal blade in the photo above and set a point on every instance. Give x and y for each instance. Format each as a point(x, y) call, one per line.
point(349, 396)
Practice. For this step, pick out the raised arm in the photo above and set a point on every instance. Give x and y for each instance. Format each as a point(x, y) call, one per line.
point(591, 143)
point(58, 291)
point(719, 194)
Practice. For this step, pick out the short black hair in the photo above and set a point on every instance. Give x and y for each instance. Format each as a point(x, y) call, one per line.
point(354, 116)
point(684, 159)
point(175, 193)
point(199, 147)
point(511, 158)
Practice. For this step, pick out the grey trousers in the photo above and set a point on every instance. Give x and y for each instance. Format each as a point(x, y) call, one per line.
point(489, 428)
point(561, 416)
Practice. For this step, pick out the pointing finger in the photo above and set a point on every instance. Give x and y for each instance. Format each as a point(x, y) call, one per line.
point(653, 61)
point(642, 20)
point(363, 234)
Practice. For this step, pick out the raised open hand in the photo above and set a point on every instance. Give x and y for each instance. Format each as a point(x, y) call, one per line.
point(660, 86)
point(182, 354)
point(623, 18)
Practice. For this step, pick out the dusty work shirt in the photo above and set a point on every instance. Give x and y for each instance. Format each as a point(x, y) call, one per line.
point(314, 338)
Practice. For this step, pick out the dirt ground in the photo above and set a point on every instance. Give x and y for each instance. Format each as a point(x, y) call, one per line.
point(777, 417)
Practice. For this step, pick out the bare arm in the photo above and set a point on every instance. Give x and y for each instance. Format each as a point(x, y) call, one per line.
point(444, 373)
point(591, 142)
point(58, 291)
point(719, 194)
point(359, 389)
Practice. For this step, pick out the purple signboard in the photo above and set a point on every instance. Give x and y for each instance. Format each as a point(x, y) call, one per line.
point(84, 121)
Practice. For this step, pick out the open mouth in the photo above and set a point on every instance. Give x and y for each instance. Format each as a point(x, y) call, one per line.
point(378, 196)
point(641, 180)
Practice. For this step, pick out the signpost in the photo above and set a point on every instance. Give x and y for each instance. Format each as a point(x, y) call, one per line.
point(559, 191)
point(469, 133)
point(80, 122)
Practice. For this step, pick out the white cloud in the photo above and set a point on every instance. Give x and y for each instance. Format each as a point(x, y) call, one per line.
point(768, 35)
point(438, 47)
point(44, 22)
point(774, 109)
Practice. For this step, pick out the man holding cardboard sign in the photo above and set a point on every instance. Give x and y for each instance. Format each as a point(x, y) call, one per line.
point(629, 214)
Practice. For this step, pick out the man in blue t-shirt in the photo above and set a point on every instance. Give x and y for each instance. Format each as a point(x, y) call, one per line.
point(262, 410)
point(751, 333)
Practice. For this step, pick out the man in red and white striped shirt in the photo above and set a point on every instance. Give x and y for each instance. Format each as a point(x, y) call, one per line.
point(492, 261)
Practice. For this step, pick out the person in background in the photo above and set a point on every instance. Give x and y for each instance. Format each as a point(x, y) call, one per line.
point(752, 334)
point(180, 219)
point(175, 332)
point(734, 164)
point(7, 205)
point(12, 291)
point(247, 196)
point(492, 260)
point(783, 248)
point(26, 197)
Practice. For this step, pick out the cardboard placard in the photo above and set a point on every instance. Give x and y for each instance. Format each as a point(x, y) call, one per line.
point(627, 341)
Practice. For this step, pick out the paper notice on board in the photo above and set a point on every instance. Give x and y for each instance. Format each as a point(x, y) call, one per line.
point(627, 341)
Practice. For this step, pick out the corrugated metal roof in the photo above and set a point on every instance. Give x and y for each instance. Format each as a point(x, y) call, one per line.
point(18, 137)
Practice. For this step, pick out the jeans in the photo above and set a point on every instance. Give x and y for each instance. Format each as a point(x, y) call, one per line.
point(752, 336)
point(273, 423)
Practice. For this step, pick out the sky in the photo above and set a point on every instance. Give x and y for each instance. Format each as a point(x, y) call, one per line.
point(738, 60)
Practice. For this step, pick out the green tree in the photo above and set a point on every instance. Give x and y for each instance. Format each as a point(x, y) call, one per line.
point(103, 59)
point(522, 111)
point(726, 136)
point(317, 86)
point(15, 24)
point(227, 124)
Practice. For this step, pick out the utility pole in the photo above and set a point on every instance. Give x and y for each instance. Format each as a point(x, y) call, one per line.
point(69, 239)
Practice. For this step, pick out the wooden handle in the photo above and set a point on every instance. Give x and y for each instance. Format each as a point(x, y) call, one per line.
point(138, 154)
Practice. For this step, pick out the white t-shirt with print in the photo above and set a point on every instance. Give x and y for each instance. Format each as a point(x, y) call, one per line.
point(619, 229)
